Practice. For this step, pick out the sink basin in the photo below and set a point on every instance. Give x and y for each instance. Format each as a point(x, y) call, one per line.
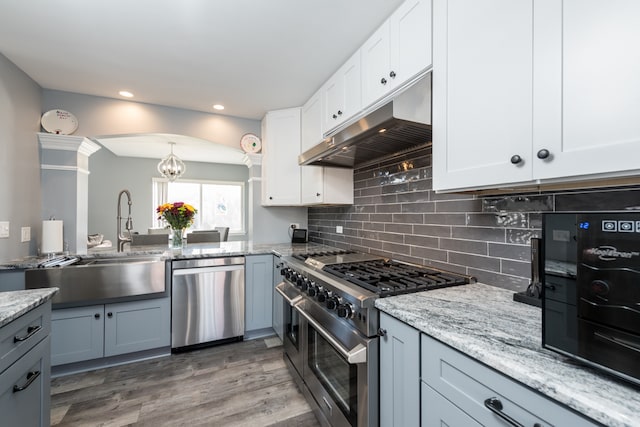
point(101, 280)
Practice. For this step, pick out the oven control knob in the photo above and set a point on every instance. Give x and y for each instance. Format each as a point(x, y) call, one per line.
point(322, 296)
point(303, 283)
point(312, 290)
point(286, 272)
point(346, 310)
point(332, 303)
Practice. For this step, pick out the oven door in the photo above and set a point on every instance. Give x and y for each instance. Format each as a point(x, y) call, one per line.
point(340, 368)
point(293, 339)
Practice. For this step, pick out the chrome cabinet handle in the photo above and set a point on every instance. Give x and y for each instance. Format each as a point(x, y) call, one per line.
point(334, 116)
point(495, 406)
point(31, 377)
point(383, 81)
point(392, 74)
point(31, 330)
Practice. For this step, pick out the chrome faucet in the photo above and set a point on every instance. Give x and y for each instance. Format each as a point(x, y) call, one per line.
point(122, 239)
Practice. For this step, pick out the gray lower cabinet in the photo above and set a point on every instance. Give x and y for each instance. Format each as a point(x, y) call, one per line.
point(258, 292)
point(85, 333)
point(399, 373)
point(278, 301)
point(438, 411)
point(25, 369)
point(471, 387)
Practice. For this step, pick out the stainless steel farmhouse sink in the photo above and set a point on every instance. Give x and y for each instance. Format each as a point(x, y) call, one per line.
point(100, 280)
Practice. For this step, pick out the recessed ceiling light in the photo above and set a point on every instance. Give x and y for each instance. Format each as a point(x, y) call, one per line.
point(126, 94)
point(218, 107)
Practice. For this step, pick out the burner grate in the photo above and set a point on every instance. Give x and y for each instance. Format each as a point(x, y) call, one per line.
point(387, 278)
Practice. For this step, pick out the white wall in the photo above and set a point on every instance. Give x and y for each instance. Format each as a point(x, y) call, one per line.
point(20, 194)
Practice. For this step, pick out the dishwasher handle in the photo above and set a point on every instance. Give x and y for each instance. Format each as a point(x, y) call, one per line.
point(202, 270)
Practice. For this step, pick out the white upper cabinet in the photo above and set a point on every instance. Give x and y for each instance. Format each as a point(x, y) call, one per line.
point(280, 169)
point(482, 92)
point(397, 51)
point(342, 94)
point(321, 185)
point(587, 111)
point(525, 94)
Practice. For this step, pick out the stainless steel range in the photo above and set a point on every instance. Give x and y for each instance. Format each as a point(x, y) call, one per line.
point(331, 326)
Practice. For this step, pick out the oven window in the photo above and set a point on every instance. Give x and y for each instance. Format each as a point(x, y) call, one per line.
point(338, 377)
point(292, 324)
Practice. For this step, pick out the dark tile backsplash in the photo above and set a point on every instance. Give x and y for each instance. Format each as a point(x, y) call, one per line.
point(397, 214)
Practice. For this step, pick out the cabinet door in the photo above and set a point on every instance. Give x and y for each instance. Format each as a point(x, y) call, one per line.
point(77, 334)
point(376, 58)
point(438, 411)
point(280, 169)
point(399, 373)
point(482, 92)
point(311, 177)
point(259, 292)
point(136, 326)
point(410, 41)
point(342, 94)
point(278, 301)
point(587, 98)
point(28, 405)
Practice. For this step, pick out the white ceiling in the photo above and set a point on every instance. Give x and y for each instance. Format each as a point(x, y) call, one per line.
point(249, 55)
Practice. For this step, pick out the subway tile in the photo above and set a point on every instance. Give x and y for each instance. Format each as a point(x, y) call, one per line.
point(445, 219)
point(360, 217)
point(475, 261)
point(409, 218)
point(428, 253)
point(396, 248)
point(373, 244)
point(391, 237)
point(368, 234)
point(409, 259)
point(353, 224)
point(522, 203)
point(414, 196)
point(515, 268)
point(381, 217)
point(452, 196)
point(418, 207)
point(479, 233)
point(375, 226)
point(461, 269)
point(468, 246)
point(432, 230)
point(535, 220)
point(521, 237)
point(398, 228)
point(424, 241)
point(517, 252)
point(389, 208)
point(620, 199)
point(468, 205)
point(500, 219)
point(370, 191)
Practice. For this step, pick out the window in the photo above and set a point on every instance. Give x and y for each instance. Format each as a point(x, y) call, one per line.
point(219, 204)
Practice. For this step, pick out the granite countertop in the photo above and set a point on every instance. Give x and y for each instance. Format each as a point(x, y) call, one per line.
point(192, 250)
point(14, 304)
point(485, 323)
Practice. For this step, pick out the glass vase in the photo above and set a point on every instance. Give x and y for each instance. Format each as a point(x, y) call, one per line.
point(178, 238)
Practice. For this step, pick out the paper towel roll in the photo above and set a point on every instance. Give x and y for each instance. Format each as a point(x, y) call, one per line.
point(51, 236)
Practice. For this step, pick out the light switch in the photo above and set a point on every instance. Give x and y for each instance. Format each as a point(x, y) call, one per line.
point(25, 234)
point(4, 229)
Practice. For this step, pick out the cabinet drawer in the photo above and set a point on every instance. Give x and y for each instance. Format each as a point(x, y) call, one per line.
point(438, 411)
point(17, 337)
point(25, 389)
point(468, 384)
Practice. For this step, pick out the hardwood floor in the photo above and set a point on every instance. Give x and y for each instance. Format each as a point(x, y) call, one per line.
point(240, 384)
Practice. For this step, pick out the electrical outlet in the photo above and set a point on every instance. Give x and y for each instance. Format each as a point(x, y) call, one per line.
point(339, 229)
point(294, 225)
point(25, 234)
point(4, 229)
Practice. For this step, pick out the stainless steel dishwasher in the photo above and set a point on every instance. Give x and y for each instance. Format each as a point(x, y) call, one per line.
point(207, 304)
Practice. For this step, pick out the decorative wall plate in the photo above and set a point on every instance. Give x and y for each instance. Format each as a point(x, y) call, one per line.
point(250, 143)
point(59, 121)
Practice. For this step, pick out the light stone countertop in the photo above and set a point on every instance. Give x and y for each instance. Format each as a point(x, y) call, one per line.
point(485, 323)
point(192, 250)
point(14, 304)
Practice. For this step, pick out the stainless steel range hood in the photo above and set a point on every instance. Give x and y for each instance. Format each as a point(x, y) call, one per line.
point(402, 124)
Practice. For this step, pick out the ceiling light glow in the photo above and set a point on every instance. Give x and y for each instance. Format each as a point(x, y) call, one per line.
point(218, 107)
point(126, 94)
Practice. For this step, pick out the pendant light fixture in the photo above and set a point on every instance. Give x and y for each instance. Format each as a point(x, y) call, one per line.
point(171, 167)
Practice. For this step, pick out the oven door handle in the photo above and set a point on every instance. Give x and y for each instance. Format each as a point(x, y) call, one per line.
point(358, 354)
point(290, 301)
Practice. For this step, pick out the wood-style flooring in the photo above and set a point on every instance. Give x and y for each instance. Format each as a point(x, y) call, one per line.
point(239, 384)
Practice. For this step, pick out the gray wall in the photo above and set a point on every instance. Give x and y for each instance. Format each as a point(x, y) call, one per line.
point(110, 174)
point(397, 214)
point(20, 99)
